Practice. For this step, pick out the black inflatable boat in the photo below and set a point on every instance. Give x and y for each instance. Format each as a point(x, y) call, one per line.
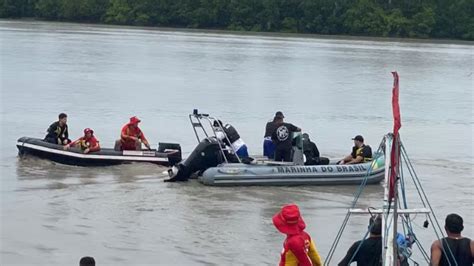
point(168, 154)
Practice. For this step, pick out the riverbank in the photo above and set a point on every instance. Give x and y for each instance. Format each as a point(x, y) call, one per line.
point(250, 33)
point(421, 19)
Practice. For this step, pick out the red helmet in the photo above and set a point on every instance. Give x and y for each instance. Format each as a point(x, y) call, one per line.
point(87, 130)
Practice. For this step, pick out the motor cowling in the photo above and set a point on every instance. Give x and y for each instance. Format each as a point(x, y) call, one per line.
point(206, 154)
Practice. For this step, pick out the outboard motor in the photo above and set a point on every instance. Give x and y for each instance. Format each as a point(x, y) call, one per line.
point(206, 154)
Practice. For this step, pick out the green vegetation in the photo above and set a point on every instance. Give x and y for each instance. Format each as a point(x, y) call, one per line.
point(391, 18)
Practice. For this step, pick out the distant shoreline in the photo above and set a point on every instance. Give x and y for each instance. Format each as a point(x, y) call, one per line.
point(253, 33)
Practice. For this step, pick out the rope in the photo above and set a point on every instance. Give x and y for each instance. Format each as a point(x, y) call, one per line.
point(354, 202)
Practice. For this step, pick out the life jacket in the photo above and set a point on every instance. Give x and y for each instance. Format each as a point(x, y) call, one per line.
point(359, 151)
point(310, 257)
point(231, 134)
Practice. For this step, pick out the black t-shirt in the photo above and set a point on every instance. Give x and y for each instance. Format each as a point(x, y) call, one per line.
point(281, 135)
point(369, 254)
point(269, 128)
point(56, 131)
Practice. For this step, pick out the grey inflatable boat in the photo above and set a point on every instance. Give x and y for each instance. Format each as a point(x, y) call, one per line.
point(227, 174)
point(215, 164)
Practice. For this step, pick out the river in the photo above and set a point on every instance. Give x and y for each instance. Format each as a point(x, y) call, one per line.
point(334, 89)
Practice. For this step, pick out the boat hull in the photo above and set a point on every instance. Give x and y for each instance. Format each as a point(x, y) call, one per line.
point(104, 157)
point(292, 175)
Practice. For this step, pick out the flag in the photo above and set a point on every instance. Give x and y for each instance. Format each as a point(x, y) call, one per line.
point(397, 124)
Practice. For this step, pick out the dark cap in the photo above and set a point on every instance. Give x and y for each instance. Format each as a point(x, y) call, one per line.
point(279, 114)
point(305, 136)
point(359, 138)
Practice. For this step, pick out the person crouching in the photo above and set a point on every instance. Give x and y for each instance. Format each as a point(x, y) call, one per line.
point(298, 248)
point(87, 143)
point(131, 137)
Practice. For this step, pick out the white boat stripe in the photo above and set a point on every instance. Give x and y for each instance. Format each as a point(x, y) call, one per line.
point(92, 156)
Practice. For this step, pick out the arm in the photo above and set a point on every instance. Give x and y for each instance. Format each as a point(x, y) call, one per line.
point(96, 147)
point(472, 251)
point(357, 160)
point(124, 135)
point(144, 140)
point(294, 128)
point(67, 146)
point(346, 159)
point(436, 253)
point(345, 261)
point(314, 255)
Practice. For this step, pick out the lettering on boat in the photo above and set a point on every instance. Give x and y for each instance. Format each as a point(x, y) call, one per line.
point(318, 169)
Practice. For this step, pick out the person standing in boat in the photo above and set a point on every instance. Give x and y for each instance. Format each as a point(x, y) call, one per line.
point(87, 143)
point(367, 252)
point(131, 137)
point(87, 261)
point(298, 249)
point(281, 136)
point(361, 153)
point(229, 135)
point(454, 249)
point(58, 131)
point(268, 145)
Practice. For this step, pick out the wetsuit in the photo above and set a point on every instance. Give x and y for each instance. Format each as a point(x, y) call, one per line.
point(281, 136)
point(369, 254)
point(55, 132)
point(460, 248)
point(299, 250)
point(311, 152)
point(365, 151)
point(268, 145)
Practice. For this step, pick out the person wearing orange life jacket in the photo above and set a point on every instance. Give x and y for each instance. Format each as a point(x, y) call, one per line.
point(87, 143)
point(131, 137)
point(298, 248)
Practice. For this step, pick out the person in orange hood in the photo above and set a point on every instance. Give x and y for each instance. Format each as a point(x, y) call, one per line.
point(87, 143)
point(298, 248)
point(132, 137)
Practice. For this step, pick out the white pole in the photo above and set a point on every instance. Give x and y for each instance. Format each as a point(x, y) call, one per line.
point(387, 216)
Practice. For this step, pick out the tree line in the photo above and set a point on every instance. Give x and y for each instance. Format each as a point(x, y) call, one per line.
point(389, 18)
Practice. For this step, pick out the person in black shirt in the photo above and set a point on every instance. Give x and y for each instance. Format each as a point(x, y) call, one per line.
point(268, 145)
point(454, 249)
point(58, 131)
point(361, 153)
point(370, 251)
point(311, 152)
point(281, 136)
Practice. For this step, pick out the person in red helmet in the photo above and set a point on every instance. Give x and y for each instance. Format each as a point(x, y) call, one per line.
point(132, 137)
point(87, 143)
point(298, 248)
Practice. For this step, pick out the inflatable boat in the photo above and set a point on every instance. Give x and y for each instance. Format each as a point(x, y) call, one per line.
point(214, 164)
point(168, 154)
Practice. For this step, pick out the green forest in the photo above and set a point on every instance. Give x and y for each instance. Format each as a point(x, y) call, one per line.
point(388, 18)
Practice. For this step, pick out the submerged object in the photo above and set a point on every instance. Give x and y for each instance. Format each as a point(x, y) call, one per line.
point(168, 154)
